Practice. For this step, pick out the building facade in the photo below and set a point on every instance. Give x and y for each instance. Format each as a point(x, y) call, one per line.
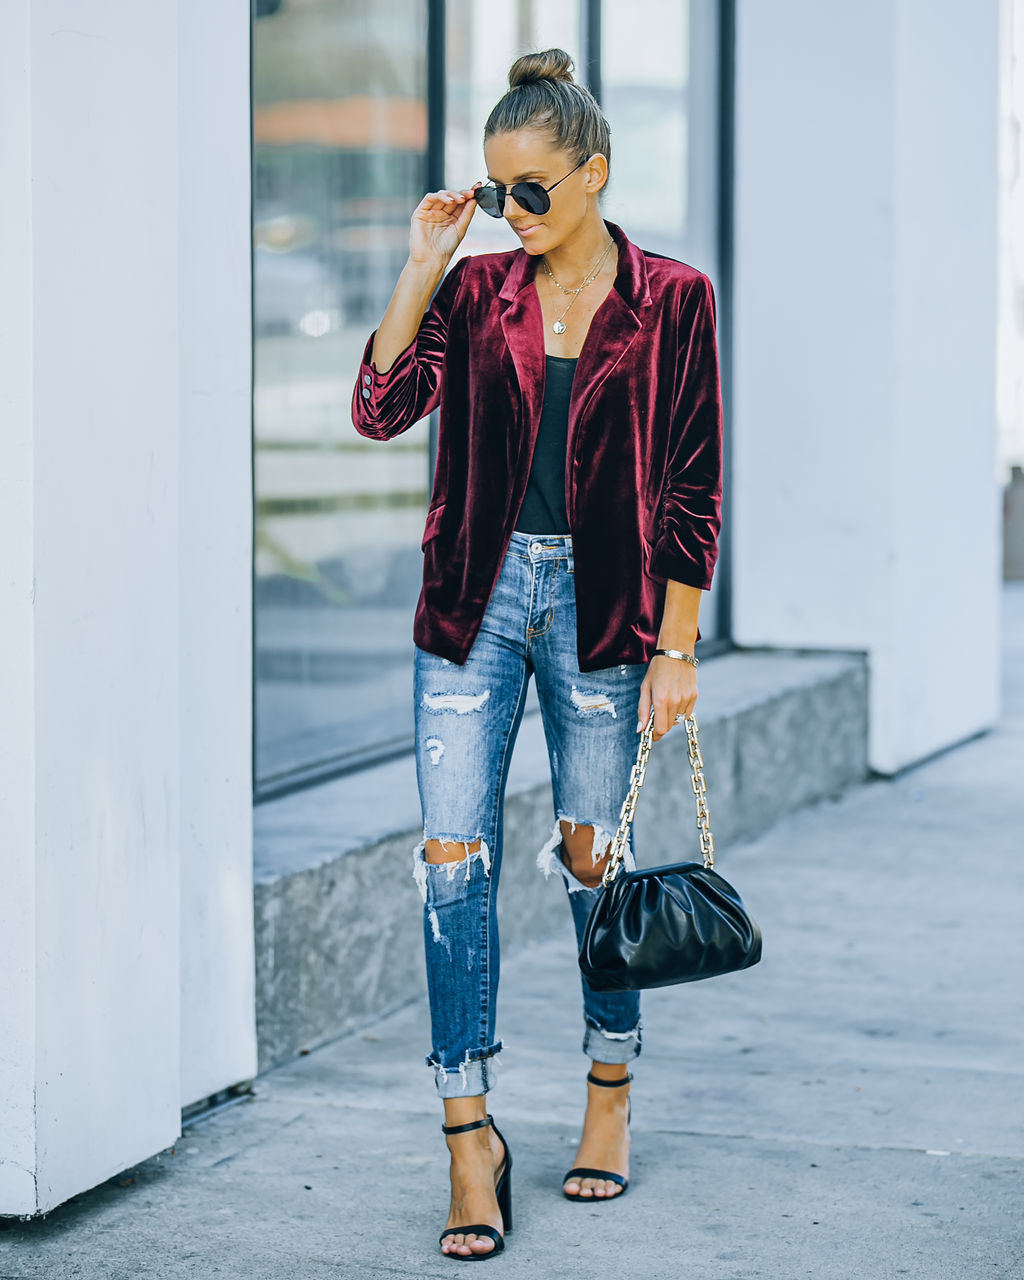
point(210, 578)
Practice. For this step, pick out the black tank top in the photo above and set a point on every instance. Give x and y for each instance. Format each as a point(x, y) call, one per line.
point(543, 509)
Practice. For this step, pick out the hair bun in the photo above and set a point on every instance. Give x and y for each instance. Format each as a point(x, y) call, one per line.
point(552, 64)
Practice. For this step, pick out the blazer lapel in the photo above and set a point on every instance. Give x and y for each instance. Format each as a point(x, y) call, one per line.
point(615, 325)
point(613, 328)
point(522, 323)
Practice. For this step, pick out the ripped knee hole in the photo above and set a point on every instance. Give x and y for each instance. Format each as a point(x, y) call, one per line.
point(438, 851)
point(582, 853)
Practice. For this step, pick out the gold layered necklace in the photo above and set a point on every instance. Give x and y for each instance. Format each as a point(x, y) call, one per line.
point(573, 294)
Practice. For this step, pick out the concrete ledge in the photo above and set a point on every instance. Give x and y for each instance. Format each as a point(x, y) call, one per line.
point(338, 919)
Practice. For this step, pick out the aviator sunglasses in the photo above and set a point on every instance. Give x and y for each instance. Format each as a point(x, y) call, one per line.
point(531, 196)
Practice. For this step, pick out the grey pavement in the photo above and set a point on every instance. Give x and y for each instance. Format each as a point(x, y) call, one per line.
point(850, 1107)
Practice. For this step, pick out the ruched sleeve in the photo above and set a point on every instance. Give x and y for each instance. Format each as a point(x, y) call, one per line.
point(386, 404)
point(686, 547)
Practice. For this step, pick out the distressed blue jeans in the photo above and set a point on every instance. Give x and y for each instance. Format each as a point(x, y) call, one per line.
point(467, 719)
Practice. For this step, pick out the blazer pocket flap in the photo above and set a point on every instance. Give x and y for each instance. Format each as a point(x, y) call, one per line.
point(432, 525)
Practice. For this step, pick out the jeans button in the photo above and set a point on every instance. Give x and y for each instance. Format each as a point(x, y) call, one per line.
point(535, 547)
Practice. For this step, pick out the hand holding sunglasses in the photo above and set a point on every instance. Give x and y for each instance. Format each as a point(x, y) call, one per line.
point(531, 196)
point(439, 222)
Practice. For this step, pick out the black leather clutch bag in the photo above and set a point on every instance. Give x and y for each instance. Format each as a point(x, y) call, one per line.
point(658, 926)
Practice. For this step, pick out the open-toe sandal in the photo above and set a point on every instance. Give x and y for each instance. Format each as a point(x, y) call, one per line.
point(601, 1173)
point(503, 1191)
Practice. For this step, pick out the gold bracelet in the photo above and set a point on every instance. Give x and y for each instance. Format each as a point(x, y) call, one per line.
point(678, 653)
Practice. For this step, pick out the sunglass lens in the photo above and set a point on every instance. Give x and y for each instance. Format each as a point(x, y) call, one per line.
point(487, 199)
point(532, 197)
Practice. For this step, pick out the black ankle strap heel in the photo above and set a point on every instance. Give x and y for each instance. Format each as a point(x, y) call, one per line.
point(601, 1173)
point(502, 1190)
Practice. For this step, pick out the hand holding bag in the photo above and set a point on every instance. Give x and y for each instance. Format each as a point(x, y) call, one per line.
point(662, 925)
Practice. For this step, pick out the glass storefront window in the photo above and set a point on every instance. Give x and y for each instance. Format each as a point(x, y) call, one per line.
point(340, 144)
point(646, 103)
point(663, 110)
point(343, 98)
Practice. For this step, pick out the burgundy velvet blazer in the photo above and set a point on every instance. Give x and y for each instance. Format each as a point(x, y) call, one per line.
point(643, 475)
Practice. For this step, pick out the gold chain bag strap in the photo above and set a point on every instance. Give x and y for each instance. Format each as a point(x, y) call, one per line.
point(658, 926)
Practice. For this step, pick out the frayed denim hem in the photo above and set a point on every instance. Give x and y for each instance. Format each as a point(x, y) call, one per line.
point(612, 1046)
point(473, 1076)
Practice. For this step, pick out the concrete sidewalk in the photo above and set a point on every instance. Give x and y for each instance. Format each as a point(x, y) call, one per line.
point(851, 1107)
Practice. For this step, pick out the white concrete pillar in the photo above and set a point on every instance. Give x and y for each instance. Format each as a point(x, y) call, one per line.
point(218, 1032)
point(865, 503)
point(122, 768)
point(17, 638)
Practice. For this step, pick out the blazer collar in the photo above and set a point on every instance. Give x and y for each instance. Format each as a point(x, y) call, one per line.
point(631, 280)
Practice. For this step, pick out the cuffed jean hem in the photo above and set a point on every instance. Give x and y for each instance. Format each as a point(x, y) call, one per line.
point(470, 1078)
point(612, 1046)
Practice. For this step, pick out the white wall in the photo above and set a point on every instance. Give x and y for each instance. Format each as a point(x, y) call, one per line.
point(17, 651)
point(124, 756)
point(1011, 238)
point(218, 1033)
point(865, 510)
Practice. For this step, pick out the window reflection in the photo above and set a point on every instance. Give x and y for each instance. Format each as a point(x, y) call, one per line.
point(647, 103)
point(340, 140)
point(662, 107)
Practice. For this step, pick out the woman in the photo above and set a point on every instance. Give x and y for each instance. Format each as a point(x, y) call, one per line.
point(572, 527)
